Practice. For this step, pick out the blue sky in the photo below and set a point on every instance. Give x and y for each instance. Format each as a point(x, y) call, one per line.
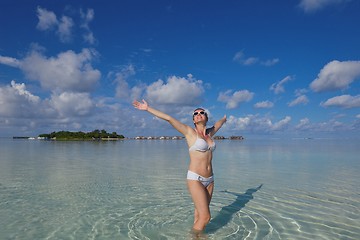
point(275, 68)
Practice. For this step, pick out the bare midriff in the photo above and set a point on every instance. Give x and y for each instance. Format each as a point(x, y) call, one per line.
point(200, 163)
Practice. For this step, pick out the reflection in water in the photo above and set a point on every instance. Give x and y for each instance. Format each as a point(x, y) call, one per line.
point(226, 213)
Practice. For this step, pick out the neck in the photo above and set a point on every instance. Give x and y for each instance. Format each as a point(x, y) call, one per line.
point(201, 129)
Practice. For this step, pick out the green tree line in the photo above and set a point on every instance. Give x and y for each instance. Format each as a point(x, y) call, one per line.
point(67, 135)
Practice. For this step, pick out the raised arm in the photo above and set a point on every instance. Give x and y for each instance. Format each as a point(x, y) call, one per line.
point(182, 128)
point(218, 125)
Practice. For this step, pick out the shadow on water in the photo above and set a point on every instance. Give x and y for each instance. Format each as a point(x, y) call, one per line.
point(226, 213)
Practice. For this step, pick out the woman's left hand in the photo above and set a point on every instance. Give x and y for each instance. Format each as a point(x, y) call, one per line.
point(141, 106)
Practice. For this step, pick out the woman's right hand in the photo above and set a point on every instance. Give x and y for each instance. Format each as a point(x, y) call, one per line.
point(141, 106)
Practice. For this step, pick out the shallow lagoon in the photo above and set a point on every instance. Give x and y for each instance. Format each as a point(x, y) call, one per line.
point(136, 189)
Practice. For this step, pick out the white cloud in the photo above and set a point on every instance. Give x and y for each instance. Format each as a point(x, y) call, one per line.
point(122, 88)
point(65, 29)
point(17, 102)
point(247, 61)
point(137, 91)
point(47, 19)
point(250, 61)
point(68, 71)
point(332, 125)
point(264, 104)
point(344, 101)
point(65, 25)
point(270, 62)
point(239, 56)
point(177, 90)
point(86, 19)
point(25, 113)
point(241, 123)
point(278, 87)
point(264, 125)
point(316, 5)
point(146, 50)
point(233, 100)
point(12, 62)
point(68, 76)
point(302, 99)
point(21, 90)
point(283, 123)
point(255, 123)
point(304, 124)
point(69, 104)
point(336, 75)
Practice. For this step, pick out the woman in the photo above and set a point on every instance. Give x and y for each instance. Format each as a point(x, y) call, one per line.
point(200, 178)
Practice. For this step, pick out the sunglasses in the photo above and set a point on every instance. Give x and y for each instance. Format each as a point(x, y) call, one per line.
point(201, 112)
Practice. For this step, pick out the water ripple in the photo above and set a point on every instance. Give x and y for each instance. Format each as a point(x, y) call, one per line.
point(100, 192)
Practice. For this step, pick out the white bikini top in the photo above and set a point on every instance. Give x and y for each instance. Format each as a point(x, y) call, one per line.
point(201, 145)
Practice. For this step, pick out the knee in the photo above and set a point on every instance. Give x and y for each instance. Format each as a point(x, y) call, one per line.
point(201, 223)
point(205, 218)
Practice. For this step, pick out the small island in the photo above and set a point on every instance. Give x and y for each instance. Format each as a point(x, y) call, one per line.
point(73, 136)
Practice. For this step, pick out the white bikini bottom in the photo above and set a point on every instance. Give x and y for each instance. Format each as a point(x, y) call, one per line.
point(204, 181)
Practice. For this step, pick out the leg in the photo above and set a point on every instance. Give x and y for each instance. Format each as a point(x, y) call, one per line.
point(196, 215)
point(201, 197)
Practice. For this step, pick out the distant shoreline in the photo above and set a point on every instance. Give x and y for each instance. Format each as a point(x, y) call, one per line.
point(180, 137)
point(123, 138)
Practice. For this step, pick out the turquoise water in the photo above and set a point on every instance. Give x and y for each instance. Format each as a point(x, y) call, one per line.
point(273, 189)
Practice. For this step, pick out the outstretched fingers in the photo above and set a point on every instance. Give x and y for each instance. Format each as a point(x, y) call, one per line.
point(139, 105)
